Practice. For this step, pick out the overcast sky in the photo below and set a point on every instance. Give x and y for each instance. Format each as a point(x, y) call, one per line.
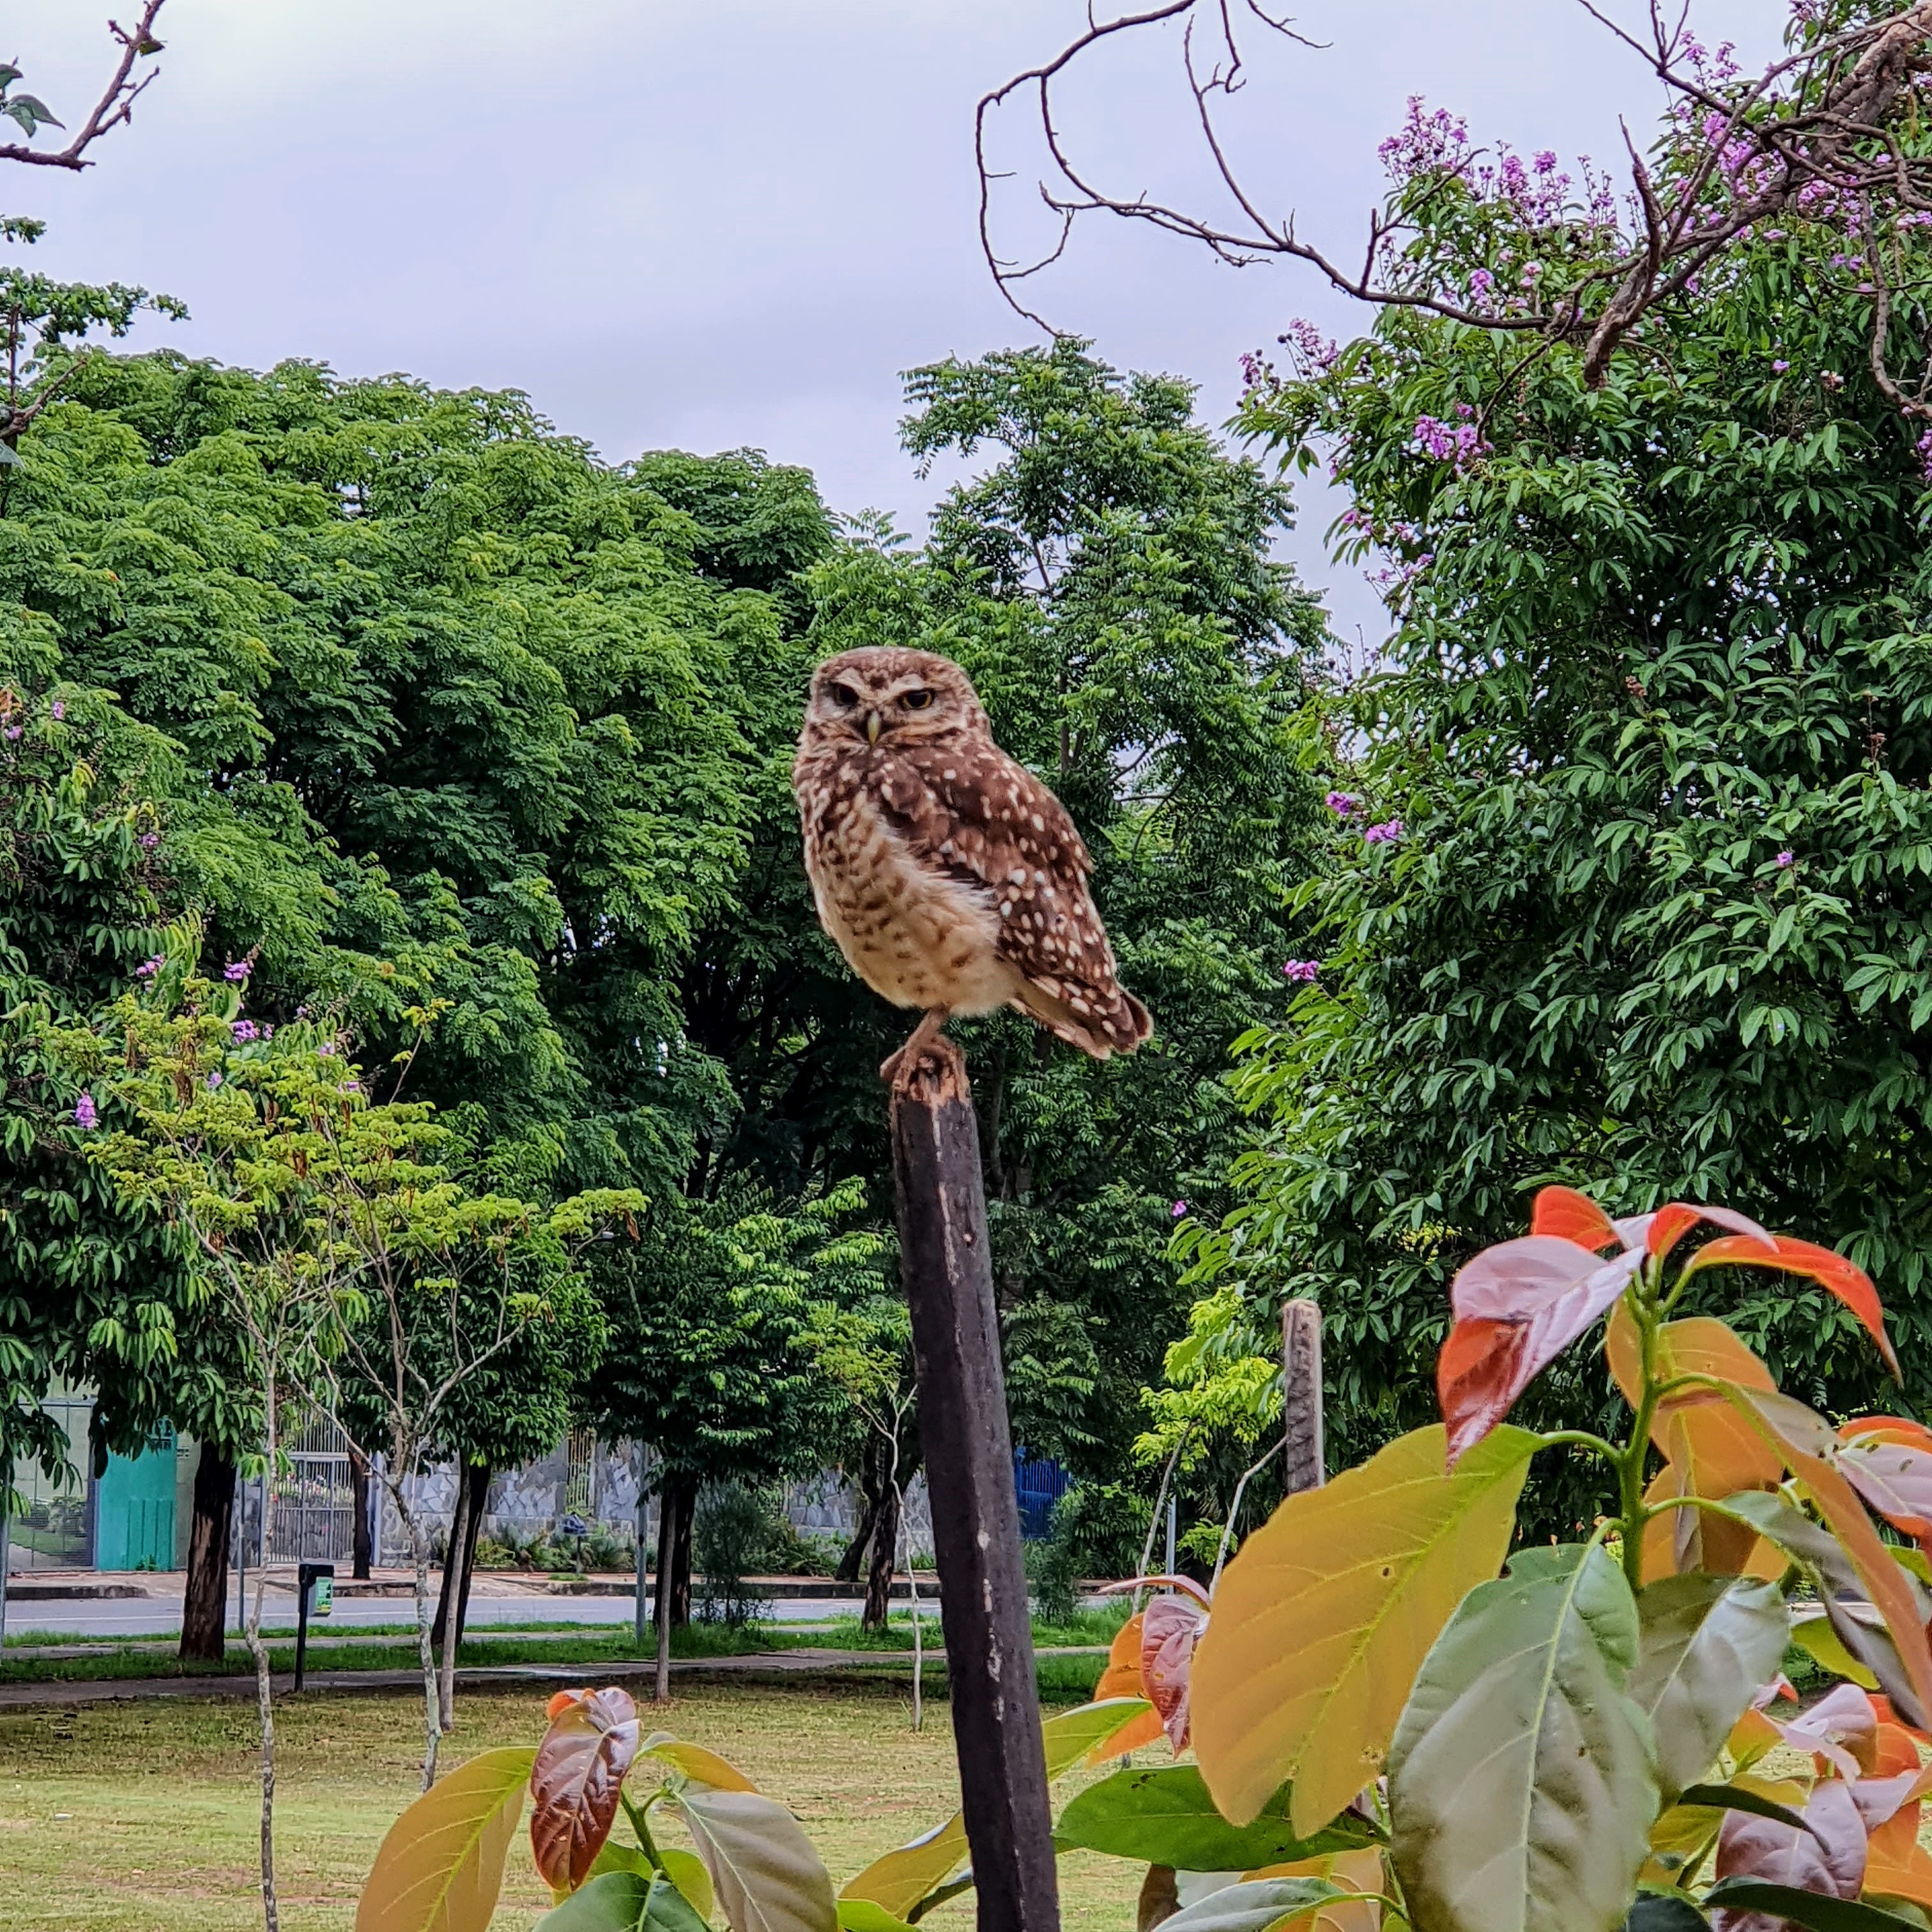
point(709, 223)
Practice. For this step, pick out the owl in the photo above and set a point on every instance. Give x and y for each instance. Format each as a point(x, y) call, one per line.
point(951, 879)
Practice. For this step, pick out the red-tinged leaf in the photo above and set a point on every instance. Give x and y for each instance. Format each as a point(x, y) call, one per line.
point(1828, 1858)
point(1895, 1478)
point(1886, 1429)
point(1830, 1271)
point(580, 1769)
point(1841, 1728)
point(1805, 1441)
point(1894, 1749)
point(1170, 1628)
point(1571, 1216)
point(1882, 1705)
point(1519, 1306)
point(1673, 1221)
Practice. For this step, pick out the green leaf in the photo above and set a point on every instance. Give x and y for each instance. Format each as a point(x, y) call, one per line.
point(623, 1901)
point(1704, 1645)
point(1523, 1780)
point(1322, 1620)
point(897, 1880)
point(767, 1876)
point(1665, 1912)
point(1811, 1910)
point(1253, 1905)
point(1165, 1817)
point(441, 1866)
point(861, 1915)
point(1739, 1798)
point(1815, 1636)
point(1069, 1735)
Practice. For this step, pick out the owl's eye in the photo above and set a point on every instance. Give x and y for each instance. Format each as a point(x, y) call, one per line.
point(916, 701)
point(844, 696)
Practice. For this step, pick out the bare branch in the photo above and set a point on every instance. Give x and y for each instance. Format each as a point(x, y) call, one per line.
point(115, 107)
point(1831, 122)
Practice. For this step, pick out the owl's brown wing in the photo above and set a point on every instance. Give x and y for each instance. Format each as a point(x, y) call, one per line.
point(965, 808)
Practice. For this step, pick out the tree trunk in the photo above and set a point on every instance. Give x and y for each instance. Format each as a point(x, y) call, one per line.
point(447, 1600)
point(847, 1571)
point(680, 1568)
point(461, 1564)
point(885, 1558)
point(667, 1501)
point(205, 1603)
point(361, 1491)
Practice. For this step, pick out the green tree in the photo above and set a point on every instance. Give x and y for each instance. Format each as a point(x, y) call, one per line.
point(1107, 579)
point(1653, 726)
point(716, 1306)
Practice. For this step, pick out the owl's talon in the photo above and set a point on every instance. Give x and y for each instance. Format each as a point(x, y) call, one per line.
point(897, 1070)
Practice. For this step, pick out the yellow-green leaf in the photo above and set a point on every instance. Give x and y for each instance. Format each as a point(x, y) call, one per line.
point(766, 1874)
point(1321, 1622)
point(441, 1866)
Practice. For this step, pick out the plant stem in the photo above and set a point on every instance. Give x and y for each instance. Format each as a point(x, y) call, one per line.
point(1643, 1307)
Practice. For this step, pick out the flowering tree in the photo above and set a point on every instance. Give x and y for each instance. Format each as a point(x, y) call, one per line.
point(1828, 137)
point(336, 1235)
point(1627, 828)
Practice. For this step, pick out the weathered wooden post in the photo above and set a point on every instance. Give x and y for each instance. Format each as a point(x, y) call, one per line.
point(1301, 1453)
point(969, 1473)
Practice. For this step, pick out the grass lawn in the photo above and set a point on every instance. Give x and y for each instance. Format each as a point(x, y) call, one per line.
point(141, 1817)
point(391, 1649)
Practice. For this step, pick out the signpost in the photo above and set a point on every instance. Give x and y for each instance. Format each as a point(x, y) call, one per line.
point(947, 1272)
point(315, 1589)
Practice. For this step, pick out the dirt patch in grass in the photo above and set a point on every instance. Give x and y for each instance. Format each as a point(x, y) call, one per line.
point(128, 1817)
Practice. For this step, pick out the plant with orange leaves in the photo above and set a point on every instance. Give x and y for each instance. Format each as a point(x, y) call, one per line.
point(1384, 1731)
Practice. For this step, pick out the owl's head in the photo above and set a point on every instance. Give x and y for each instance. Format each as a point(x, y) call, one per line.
point(885, 691)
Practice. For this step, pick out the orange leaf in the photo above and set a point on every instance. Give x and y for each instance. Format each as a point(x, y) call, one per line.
point(1518, 1306)
point(1571, 1216)
point(1146, 1729)
point(1830, 1271)
point(1122, 1676)
point(1673, 1221)
point(1900, 1429)
point(1801, 1439)
point(1713, 1451)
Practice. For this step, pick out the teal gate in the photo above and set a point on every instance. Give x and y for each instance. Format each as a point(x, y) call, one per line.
point(134, 1508)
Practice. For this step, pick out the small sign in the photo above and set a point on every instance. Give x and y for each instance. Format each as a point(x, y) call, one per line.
point(324, 1599)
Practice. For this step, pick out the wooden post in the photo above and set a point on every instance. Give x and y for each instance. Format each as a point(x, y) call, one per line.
point(1301, 1454)
point(969, 1471)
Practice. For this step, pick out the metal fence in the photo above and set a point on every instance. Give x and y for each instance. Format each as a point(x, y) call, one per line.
point(315, 1498)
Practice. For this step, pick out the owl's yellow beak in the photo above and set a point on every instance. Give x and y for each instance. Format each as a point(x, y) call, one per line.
point(873, 723)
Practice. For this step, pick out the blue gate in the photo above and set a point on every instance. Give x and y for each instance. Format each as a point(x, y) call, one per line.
point(1039, 1482)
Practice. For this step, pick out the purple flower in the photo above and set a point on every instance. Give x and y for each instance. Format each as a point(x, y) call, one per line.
point(1785, 862)
point(1303, 970)
point(1382, 834)
point(326, 1049)
point(84, 1113)
point(214, 1081)
point(149, 840)
point(58, 710)
point(1180, 1209)
point(1342, 804)
point(1778, 368)
point(13, 732)
point(236, 970)
point(148, 968)
point(245, 1029)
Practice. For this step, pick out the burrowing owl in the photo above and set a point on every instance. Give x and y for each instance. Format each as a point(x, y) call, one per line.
point(951, 877)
